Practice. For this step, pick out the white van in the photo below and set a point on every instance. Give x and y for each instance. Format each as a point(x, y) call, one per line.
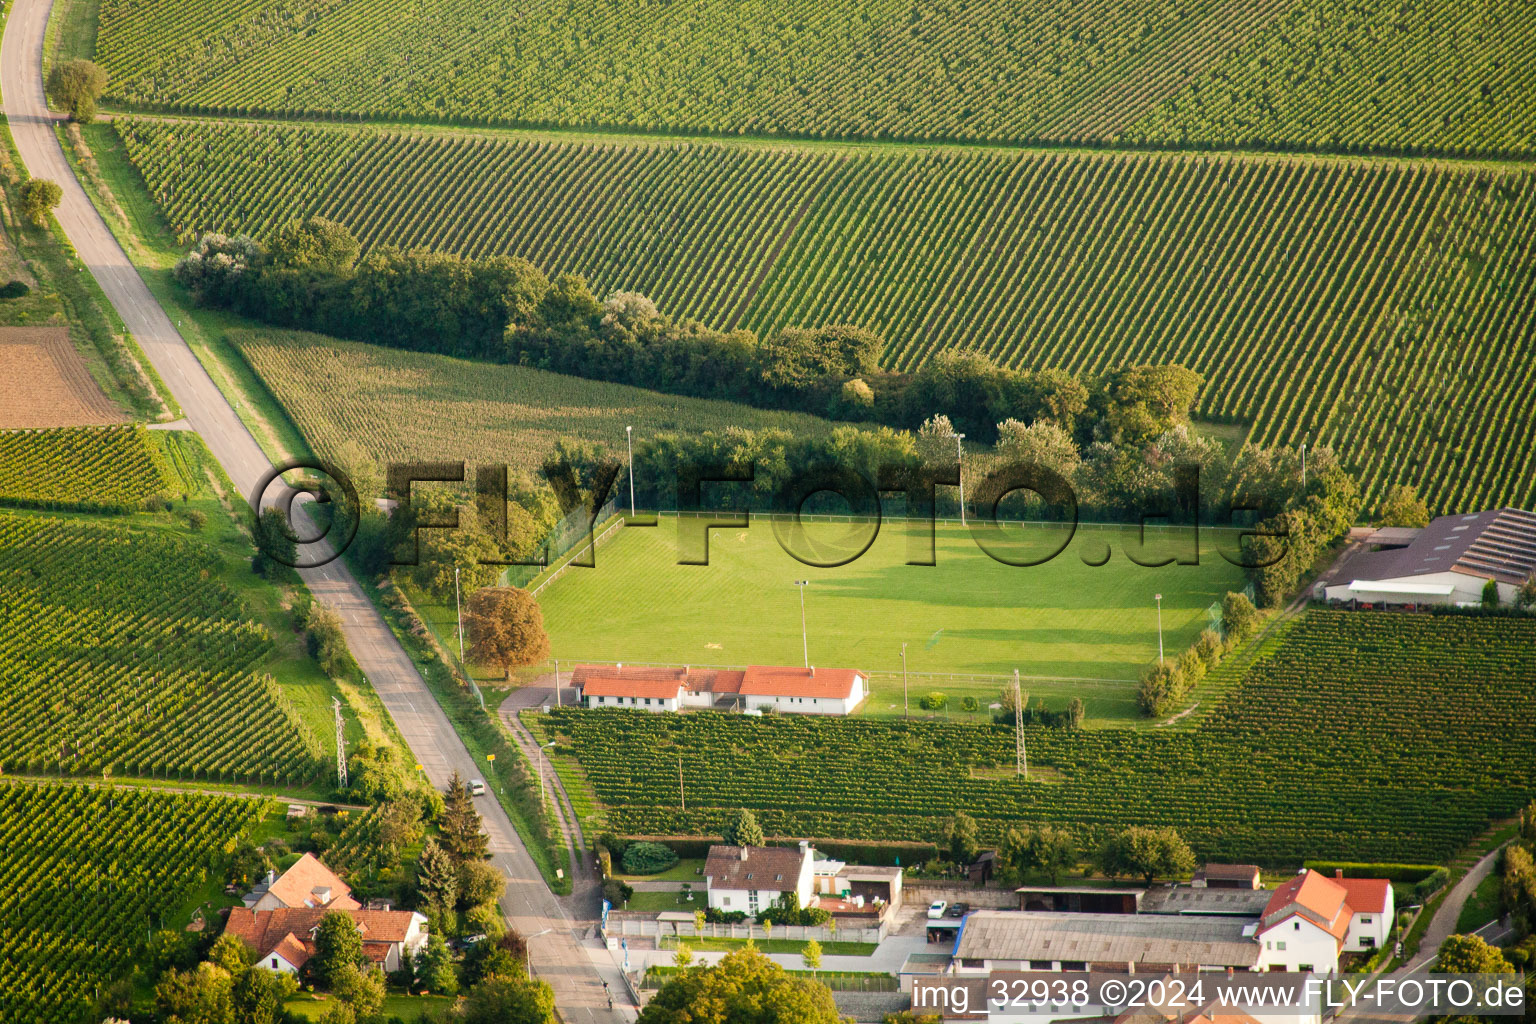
point(476, 787)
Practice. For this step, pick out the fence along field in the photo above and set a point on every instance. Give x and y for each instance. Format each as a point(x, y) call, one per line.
point(1363, 736)
point(120, 651)
point(87, 872)
point(1381, 307)
point(1319, 73)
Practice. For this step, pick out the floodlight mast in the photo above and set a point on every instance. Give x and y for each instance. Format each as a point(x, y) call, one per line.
point(805, 643)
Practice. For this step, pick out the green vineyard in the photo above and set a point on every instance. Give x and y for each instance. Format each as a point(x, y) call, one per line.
point(1369, 736)
point(98, 469)
point(88, 872)
point(1384, 308)
point(120, 652)
point(1332, 74)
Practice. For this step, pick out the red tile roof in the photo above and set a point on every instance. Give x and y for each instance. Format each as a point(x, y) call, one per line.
point(286, 932)
point(610, 686)
point(1366, 895)
point(768, 681)
point(1314, 897)
point(297, 887)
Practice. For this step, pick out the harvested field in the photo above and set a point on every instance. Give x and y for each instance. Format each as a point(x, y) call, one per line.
point(45, 383)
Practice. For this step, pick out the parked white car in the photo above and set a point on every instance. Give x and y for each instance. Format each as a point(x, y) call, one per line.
point(476, 787)
point(936, 910)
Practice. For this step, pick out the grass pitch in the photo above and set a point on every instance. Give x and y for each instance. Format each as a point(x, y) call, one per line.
point(1090, 629)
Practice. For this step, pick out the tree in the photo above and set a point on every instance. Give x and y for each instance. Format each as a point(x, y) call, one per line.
point(1470, 954)
point(461, 824)
point(505, 628)
point(811, 956)
point(480, 884)
point(507, 999)
point(743, 988)
point(202, 995)
point(434, 967)
point(38, 196)
point(314, 243)
point(362, 991)
point(1491, 594)
point(1043, 848)
point(1403, 507)
point(490, 960)
point(215, 271)
point(76, 85)
point(230, 953)
point(1146, 853)
point(338, 945)
point(959, 839)
point(437, 877)
point(913, 1017)
point(1525, 597)
point(683, 958)
point(1239, 617)
point(276, 545)
point(744, 830)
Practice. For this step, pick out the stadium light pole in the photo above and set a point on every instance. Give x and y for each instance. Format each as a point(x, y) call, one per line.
point(805, 642)
point(629, 439)
point(960, 460)
point(906, 709)
point(1159, 599)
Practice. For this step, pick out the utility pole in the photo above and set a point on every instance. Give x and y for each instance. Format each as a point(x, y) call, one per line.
point(1020, 756)
point(960, 460)
point(906, 708)
point(682, 798)
point(559, 700)
point(1304, 463)
point(629, 439)
point(1159, 599)
point(341, 745)
point(805, 643)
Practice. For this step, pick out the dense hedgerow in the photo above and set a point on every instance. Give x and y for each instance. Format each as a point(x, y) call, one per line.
point(1367, 735)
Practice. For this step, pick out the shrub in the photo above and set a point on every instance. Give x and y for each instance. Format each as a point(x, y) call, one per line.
point(969, 704)
point(13, 290)
point(933, 701)
point(648, 858)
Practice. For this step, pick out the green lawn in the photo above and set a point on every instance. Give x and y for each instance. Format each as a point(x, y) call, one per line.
point(966, 614)
point(686, 870)
point(1481, 907)
point(656, 902)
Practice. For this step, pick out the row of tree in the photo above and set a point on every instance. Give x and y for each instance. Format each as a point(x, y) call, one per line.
point(1136, 852)
point(504, 309)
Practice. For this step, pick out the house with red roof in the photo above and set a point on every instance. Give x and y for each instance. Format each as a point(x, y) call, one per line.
point(306, 884)
point(812, 691)
point(284, 939)
point(1311, 919)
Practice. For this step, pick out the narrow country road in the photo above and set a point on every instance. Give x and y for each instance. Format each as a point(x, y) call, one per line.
point(556, 954)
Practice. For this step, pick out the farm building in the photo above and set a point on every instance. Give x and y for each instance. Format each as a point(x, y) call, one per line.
point(1447, 562)
point(1227, 876)
point(813, 691)
point(1304, 925)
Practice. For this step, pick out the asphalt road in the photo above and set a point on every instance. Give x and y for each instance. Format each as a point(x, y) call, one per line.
point(556, 954)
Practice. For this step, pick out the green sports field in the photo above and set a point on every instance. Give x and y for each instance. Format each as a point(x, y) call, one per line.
point(1091, 628)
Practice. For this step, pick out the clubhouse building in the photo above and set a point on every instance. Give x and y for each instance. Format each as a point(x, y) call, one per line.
point(758, 688)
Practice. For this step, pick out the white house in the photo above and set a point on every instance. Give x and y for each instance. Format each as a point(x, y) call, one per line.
point(751, 879)
point(1312, 918)
point(835, 691)
point(1448, 562)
